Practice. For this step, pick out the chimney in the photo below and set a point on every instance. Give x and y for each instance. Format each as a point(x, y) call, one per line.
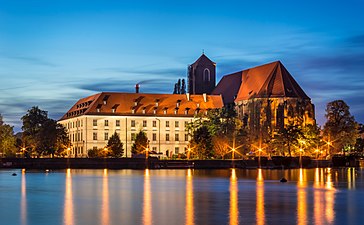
point(204, 97)
point(188, 96)
point(137, 88)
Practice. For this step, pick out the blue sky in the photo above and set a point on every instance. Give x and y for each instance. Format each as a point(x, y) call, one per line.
point(54, 52)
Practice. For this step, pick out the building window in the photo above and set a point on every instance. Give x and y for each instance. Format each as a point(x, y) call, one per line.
point(154, 123)
point(167, 137)
point(176, 150)
point(133, 136)
point(154, 137)
point(144, 123)
point(186, 137)
point(94, 122)
point(186, 124)
point(154, 149)
point(106, 136)
point(106, 123)
point(95, 136)
point(118, 123)
point(167, 123)
point(176, 123)
point(176, 137)
point(206, 75)
point(132, 123)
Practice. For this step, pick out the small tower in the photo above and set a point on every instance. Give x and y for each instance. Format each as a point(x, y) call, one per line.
point(202, 76)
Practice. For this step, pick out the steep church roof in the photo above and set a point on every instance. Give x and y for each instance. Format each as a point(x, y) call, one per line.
point(228, 87)
point(202, 60)
point(269, 80)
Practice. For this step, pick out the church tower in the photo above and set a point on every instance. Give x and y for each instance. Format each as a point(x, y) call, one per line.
point(202, 76)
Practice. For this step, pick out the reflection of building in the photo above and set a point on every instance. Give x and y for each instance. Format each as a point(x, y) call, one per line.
point(267, 97)
point(92, 120)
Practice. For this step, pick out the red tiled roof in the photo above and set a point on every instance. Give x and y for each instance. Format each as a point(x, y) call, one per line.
point(228, 87)
point(269, 80)
point(113, 103)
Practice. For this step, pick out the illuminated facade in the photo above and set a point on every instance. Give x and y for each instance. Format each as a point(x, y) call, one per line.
point(267, 98)
point(163, 117)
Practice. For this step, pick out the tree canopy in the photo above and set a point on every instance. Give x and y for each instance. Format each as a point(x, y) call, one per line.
point(7, 139)
point(340, 128)
point(115, 146)
point(140, 144)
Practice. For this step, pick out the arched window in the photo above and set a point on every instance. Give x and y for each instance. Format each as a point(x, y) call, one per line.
point(206, 75)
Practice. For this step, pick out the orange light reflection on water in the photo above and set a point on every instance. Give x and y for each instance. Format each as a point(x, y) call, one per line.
point(302, 198)
point(68, 201)
point(260, 209)
point(147, 200)
point(189, 199)
point(105, 217)
point(234, 210)
point(23, 201)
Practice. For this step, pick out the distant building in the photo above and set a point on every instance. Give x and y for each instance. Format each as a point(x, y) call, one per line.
point(163, 117)
point(267, 98)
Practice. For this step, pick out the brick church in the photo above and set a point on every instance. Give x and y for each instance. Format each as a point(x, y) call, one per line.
point(266, 97)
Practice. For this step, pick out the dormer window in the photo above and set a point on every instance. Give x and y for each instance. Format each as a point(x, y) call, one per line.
point(113, 109)
point(156, 102)
point(176, 110)
point(98, 108)
point(155, 110)
point(135, 102)
point(178, 103)
point(144, 109)
point(186, 111)
point(165, 110)
point(105, 99)
point(198, 105)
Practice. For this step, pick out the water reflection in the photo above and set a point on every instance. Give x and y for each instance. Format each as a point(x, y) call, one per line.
point(68, 200)
point(234, 210)
point(324, 196)
point(105, 199)
point(189, 199)
point(147, 201)
point(351, 178)
point(329, 197)
point(260, 211)
point(302, 198)
point(23, 200)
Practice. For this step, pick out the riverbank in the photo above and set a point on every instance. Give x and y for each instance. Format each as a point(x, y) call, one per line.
point(155, 163)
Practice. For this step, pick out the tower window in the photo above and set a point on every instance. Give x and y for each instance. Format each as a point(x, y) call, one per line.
point(206, 75)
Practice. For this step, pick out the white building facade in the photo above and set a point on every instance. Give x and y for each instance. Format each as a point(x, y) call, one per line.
point(163, 117)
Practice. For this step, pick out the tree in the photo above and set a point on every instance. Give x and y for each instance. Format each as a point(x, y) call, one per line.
point(340, 128)
point(201, 142)
point(115, 146)
point(140, 144)
point(286, 138)
point(183, 88)
point(42, 135)
point(359, 145)
point(221, 145)
point(7, 139)
point(179, 86)
point(311, 136)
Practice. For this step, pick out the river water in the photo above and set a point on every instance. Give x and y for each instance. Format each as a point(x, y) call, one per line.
point(188, 197)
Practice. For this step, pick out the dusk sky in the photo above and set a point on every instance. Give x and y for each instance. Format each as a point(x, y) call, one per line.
point(54, 52)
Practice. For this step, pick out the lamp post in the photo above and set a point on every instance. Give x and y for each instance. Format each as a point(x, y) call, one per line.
point(301, 150)
point(260, 152)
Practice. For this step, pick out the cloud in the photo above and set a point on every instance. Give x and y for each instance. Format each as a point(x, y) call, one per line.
point(176, 72)
point(356, 41)
point(30, 59)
